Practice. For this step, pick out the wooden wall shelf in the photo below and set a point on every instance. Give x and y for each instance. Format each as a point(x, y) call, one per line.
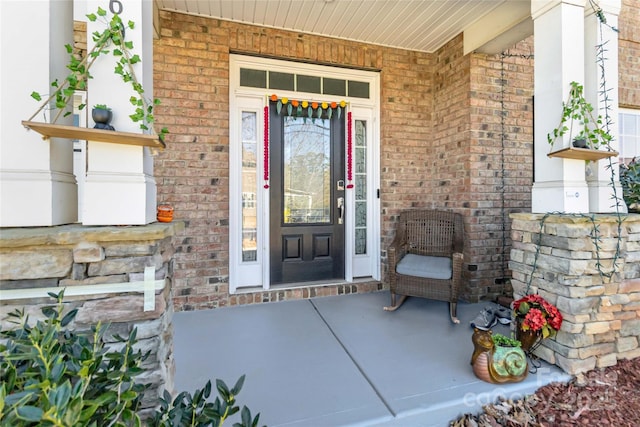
point(48, 130)
point(582, 154)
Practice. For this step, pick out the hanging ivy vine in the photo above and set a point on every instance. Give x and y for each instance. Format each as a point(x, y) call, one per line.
point(110, 40)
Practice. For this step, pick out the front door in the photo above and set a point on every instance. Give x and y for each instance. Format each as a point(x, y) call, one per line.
point(306, 197)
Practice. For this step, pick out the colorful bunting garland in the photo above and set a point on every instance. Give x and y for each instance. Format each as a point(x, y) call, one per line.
point(307, 109)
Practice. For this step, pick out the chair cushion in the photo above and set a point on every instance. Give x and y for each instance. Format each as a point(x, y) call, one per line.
point(429, 267)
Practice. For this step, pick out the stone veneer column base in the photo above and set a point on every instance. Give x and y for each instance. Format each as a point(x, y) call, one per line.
point(99, 267)
point(601, 315)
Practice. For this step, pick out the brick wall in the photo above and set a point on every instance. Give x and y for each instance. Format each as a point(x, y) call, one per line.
point(406, 137)
point(629, 54)
point(500, 165)
point(448, 156)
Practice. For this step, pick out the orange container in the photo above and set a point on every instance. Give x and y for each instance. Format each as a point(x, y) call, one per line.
point(165, 213)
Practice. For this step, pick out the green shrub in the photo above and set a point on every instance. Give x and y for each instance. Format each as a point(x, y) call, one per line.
point(630, 181)
point(52, 376)
point(188, 410)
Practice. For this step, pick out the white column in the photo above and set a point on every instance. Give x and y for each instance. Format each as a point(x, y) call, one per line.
point(599, 174)
point(37, 186)
point(560, 184)
point(120, 188)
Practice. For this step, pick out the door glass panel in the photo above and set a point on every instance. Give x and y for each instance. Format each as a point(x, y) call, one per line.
point(360, 134)
point(307, 171)
point(249, 185)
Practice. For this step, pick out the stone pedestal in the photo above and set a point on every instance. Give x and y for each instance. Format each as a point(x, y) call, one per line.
point(573, 270)
point(103, 271)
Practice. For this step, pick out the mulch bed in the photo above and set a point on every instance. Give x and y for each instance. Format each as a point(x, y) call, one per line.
point(602, 397)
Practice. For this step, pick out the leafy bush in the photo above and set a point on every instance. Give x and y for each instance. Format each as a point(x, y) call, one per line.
point(630, 181)
point(52, 376)
point(188, 410)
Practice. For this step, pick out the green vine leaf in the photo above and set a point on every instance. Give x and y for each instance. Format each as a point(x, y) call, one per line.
point(109, 40)
point(578, 113)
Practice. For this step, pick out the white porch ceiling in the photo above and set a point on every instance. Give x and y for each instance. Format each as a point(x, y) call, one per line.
point(421, 25)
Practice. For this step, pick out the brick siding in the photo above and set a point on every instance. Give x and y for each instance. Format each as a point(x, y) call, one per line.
point(629, 54)
point(500, 162)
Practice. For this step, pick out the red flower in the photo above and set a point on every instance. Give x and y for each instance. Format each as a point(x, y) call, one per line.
point(534, 319)
point(537, 314)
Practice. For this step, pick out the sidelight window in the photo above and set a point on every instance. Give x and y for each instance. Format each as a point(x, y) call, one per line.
point(249, 183)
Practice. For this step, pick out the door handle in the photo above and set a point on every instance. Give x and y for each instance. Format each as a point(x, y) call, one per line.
point(340, 209)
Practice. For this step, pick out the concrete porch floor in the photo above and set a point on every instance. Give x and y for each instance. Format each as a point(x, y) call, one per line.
point(343, 361)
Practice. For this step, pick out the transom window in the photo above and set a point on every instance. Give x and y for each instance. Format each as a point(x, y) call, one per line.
point(277, 80)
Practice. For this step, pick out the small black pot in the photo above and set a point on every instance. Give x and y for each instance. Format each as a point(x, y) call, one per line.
point(580, 143)
point(102, 118)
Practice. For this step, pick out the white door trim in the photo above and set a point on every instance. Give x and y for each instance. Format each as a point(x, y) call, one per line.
point(256, 273)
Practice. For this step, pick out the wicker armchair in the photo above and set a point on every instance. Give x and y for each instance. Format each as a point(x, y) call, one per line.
point(425, 258)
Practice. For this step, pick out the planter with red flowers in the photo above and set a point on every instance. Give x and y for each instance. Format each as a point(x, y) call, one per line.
point(535, 320)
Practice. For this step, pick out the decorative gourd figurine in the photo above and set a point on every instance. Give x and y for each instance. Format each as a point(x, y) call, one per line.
point(501, 362)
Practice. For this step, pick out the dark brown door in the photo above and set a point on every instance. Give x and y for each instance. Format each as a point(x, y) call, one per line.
point(306, 198)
